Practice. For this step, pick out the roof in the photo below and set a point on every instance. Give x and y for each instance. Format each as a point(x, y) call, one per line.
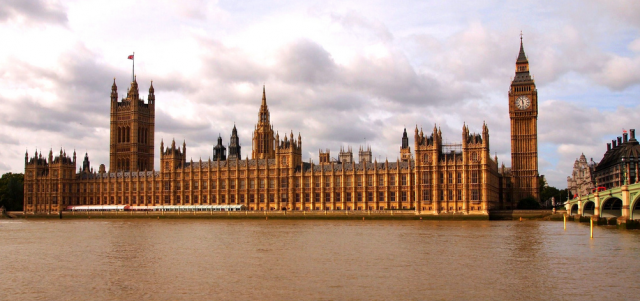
point(613, 157)
point(522, 58)
point(357, 166)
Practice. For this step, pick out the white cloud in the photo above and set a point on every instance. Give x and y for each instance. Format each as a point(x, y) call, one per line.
point(337, 73)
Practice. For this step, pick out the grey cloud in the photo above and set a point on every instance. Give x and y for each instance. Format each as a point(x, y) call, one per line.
point(38, 11)
point(306, 62)
point(230, 64)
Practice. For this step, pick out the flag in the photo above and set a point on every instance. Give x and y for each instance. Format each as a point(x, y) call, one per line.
point(624, 131)
point(130, 57)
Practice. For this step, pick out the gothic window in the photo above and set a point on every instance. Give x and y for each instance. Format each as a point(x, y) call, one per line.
point(459, 177)
point(380, 196)
point(392, 181)
point(370, 181)
point(404, 196)
point(474, 157)
point(392, 196)
point(380, 181)
point(425, 195)
point(474, 177)
point(337, 197)
point(450, 174)
point(425, 178)
point(404, 180)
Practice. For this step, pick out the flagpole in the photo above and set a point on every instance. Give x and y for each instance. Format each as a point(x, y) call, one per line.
point(133, 71)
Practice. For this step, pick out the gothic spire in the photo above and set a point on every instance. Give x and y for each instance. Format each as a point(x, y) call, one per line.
point(522, 58)
point(114, 91)
point(405, 139)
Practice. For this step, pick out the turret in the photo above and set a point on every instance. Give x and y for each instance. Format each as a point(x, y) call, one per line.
point(152, 97)
point(86, 166)
point(234, 145)
point(219, 151)
point(405, 139)
point(114, 91)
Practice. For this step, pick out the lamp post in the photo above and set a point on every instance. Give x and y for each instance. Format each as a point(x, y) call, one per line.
point(624, 173)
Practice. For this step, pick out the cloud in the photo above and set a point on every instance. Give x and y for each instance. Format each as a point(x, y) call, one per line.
point(32, 11)
point(620, 73)
point(336, 73)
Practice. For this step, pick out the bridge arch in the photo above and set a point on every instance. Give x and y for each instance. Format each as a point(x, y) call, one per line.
point(588, 208)
point(635, 207)
point(611, 207)
point(574, 209)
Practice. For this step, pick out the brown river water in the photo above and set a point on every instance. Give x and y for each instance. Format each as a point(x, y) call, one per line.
point(315, 260)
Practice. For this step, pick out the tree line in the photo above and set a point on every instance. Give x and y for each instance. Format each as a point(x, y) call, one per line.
point(12, 191)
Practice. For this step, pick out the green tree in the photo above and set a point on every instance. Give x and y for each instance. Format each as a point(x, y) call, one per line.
point(12, 191)
point(528, 203)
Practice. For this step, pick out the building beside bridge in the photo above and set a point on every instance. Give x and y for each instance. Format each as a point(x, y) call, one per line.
point(582, 180)
point(437, 178)
point(617, 180)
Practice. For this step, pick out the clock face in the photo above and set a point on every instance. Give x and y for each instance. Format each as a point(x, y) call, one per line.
point(523, 102)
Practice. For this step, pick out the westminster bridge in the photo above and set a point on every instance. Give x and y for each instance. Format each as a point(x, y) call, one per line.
point(623, 201)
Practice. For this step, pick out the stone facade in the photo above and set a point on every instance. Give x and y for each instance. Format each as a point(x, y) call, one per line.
point(132, 130)
point(439, 178)
point(582, 179)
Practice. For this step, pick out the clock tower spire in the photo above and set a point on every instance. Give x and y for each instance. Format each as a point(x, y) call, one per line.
point(523, 112)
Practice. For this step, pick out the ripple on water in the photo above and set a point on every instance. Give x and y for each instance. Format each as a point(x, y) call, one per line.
point(327, 260)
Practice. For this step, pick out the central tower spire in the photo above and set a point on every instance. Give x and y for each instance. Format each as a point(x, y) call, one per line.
point(263, 138)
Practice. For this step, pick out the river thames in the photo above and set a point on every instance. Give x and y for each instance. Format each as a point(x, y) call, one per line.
point(315, 260)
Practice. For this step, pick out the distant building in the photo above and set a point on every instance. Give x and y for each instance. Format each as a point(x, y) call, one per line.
point(582, 179)
point(620, 162)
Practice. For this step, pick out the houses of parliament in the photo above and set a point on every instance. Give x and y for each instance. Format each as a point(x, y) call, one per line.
point(435, 178)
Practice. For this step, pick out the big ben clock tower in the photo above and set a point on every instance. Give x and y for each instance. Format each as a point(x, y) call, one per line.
point(523, 111)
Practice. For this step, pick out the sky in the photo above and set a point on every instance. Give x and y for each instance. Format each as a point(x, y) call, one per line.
point(340, 73)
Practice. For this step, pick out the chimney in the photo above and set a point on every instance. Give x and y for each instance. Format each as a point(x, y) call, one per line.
point(608, 146)
point(625, 137)
point(619, 140)
point(633, 134)
point(613, 143)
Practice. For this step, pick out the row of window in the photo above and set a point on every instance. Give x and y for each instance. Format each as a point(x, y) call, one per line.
point(403, 196)
point(426, 177)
